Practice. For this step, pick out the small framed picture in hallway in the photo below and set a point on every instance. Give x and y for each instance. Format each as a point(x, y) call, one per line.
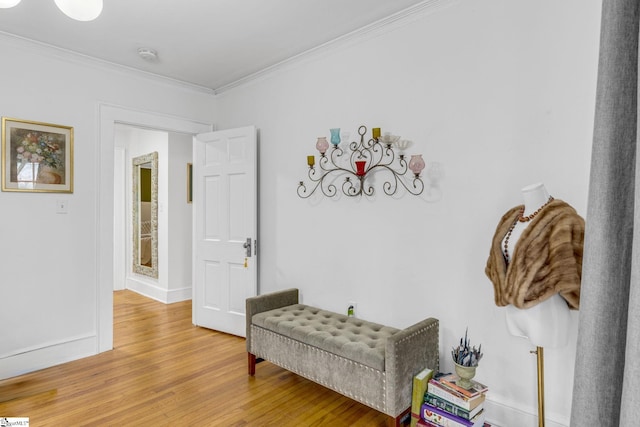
point(189, 182)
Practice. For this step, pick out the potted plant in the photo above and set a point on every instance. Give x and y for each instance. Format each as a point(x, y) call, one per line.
point(466, 360)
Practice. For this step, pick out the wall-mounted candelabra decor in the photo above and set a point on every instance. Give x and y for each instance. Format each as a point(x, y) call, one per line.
point(359, 162)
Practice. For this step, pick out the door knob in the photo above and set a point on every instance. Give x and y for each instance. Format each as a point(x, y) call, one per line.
point(247, 247)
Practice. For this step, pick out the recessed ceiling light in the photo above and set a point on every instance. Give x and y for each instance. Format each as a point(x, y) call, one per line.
point(147, 54)
point(80, 10)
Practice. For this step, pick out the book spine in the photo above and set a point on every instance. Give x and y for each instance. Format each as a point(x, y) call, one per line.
point(420, 382)
point(442, 418)
point(436, 390)
point(445, 405)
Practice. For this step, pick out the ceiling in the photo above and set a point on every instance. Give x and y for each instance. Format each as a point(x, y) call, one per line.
point(208, 43)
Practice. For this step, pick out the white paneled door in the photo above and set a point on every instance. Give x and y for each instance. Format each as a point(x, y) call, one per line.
point(225, 228)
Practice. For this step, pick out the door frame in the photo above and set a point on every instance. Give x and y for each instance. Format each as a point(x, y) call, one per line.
point(109, 115)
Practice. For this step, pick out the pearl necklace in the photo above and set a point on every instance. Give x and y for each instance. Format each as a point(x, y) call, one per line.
point(520, 218)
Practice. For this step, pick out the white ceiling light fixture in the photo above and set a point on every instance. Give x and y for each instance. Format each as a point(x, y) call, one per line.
point(5, 4)
point(80, 10)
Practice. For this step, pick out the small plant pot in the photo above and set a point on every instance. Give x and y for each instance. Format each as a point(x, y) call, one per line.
point(466, 373)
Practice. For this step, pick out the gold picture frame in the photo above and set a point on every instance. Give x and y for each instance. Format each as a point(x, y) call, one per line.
point(36, 157)
point(189, 182)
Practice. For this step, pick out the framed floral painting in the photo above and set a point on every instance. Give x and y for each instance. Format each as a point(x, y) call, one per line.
point(36, 157)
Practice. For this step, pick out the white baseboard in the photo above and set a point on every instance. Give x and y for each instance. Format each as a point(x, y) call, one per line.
point(159, 294)
point(177, 295)
point(53, 354)
point(502, 415)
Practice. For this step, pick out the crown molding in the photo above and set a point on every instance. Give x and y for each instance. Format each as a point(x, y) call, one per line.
point(382, 26)
point(67, 55)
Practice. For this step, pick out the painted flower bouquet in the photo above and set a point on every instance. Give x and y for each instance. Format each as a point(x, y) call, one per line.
point(40, 147)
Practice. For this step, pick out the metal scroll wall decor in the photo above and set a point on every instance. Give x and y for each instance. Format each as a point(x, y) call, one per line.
point(360, 161)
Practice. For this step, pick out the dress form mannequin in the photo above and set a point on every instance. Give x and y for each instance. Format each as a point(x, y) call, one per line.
point(546, 324)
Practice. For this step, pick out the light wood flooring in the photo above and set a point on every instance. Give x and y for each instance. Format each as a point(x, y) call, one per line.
point(165, 371)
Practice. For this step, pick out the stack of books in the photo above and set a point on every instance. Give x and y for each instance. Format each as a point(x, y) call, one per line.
point(441, 402)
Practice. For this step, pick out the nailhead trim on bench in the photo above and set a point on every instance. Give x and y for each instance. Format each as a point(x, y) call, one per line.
point(359, 367)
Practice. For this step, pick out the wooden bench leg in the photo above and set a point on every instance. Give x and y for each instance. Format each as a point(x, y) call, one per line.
point(401, 420)
point(252, 364)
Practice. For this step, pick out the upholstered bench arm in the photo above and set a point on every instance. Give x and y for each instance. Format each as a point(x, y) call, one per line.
point(267, 302)
point(407, 353)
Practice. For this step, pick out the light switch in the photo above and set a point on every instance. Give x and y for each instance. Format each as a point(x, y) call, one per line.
point(62, 206)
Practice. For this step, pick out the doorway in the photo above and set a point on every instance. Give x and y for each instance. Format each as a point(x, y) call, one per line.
point(110, 116)
point(173, 214)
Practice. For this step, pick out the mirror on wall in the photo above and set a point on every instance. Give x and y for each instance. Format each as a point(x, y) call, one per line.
point(145, 214)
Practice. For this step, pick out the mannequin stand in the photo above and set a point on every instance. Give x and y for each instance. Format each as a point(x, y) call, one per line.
point(540, 352)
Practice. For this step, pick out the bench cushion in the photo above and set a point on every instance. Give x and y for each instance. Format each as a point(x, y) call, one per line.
point(349, 337)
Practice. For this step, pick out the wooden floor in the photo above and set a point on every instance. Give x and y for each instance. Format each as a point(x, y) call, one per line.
point(165, 371)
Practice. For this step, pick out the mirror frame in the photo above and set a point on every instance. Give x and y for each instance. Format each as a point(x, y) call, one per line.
point(136, 163)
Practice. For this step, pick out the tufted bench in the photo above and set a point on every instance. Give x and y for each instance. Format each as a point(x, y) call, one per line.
point(366, 361)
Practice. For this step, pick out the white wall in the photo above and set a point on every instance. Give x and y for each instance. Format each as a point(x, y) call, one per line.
point(50, 262)
point(180, 219)
point(502, 94)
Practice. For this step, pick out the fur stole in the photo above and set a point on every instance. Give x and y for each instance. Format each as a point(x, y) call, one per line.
point(547, 258)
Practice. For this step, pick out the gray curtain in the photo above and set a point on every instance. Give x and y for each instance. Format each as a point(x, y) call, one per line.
point(606, 389)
